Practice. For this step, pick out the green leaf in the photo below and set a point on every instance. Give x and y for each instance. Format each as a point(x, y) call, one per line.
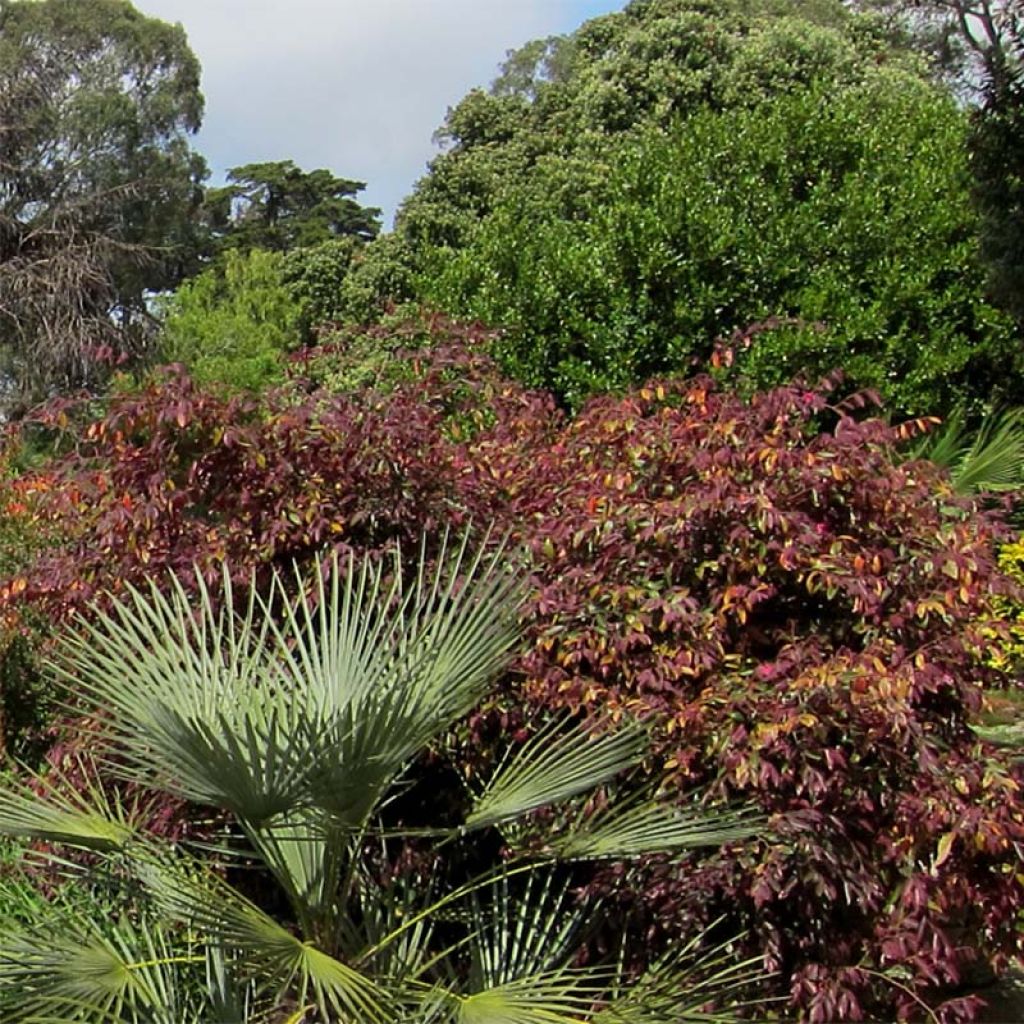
point(654, 828)
point(204, 901)
point(553, 766)
point(51, 809)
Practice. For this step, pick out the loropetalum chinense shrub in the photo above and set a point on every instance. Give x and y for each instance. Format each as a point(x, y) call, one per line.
point(795, 610)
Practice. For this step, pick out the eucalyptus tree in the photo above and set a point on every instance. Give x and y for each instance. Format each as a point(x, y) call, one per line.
point(98, 182)
point(299, 720)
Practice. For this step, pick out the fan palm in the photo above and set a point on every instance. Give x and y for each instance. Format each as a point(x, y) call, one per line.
point(299, 721)
point(988, 458)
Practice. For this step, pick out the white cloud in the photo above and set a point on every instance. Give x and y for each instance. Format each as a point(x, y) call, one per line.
point(357, 86)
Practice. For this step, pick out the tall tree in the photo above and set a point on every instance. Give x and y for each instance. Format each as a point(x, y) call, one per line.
point(650, 63)
point(276, 205)
point(98, 183)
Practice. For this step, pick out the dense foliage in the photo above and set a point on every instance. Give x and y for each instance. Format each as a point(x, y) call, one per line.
point(843, 215)
point(649, 63)
point(793, 609)
point(302, 725)
point(234, 322)
point(999, 193)
point(623, 196)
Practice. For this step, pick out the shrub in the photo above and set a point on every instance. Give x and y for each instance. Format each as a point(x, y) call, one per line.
point(800, 615)
point(304, 731)
point(794, 610)
point(314, 276)
point(234, 323)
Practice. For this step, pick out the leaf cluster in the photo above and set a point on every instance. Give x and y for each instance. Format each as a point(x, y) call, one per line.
point(845, 214)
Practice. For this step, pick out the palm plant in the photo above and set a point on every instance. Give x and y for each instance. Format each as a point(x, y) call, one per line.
point(987, 459)
point(300, 721)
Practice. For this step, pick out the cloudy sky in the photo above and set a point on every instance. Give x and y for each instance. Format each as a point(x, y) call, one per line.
point(357, 86)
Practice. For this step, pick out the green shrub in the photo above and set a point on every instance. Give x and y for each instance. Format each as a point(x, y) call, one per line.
point(315, 275)
point(233, 323)
point(316, 729)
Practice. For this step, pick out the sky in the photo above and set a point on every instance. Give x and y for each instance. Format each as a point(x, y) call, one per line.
point(356, 86)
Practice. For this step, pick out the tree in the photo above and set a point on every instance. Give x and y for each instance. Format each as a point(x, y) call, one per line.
point(997, 147)
point(301, 722)
point(840, 216)
point(989, 35)
point(976, 43)
point(278, 206)
point(97, 183)
point(534, 154)
point(652, 62)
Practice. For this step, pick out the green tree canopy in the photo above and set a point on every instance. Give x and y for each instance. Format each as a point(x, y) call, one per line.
point(98, 182)
point(624, 197)
point(233, 323)
point(653, 62)
point(278, 206)
point(843, 216)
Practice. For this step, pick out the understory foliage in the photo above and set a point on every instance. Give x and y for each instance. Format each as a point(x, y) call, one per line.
point(794, 609)
point(233, 323)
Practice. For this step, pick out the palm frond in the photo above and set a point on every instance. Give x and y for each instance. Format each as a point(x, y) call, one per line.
point(393, 930)
point(195, 706)
point(656, 827)
point(306, 854)
point(553, 766)
point(990, 458)
point(560, 997)
point(229, 999)
point(521, 927)
point(395, 665)
point(271, 952)
point(693, 983)
point(80, 815)
point(84, 970)
point(237, 712)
